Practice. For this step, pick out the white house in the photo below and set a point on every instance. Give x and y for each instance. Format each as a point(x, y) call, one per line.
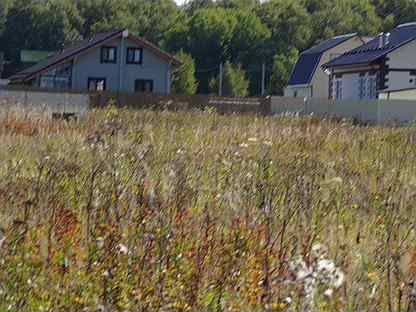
point(116, 61)
point(385, 64)
point(308, 78)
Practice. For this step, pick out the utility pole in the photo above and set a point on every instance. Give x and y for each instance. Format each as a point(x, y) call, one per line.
point(220, 81)
point(263, 79)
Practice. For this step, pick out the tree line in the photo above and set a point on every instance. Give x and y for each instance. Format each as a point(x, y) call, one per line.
point(242, 34)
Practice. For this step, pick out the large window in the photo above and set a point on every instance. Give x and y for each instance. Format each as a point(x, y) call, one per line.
point(338, 89)
point(57, 78)
point(134, 55)
point(96, 84)
point(372, 87)
point(362, 87)
point(108, 55)
point(143, 85)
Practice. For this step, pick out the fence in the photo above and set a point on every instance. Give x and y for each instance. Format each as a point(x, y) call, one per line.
point(180, 102)
point(42, 102)
point(50, 102)
point(371, 111)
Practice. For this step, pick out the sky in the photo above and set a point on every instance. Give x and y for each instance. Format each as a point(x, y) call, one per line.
point(180, 1)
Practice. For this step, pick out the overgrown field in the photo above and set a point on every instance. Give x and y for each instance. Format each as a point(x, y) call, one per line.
point(162, 211)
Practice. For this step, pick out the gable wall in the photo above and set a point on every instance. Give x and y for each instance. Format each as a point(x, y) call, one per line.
point(320, 80)
point(89, 65)
point(403, 58)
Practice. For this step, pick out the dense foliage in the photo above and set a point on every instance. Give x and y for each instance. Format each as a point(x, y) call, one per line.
point(246, 32)
point(190, 211)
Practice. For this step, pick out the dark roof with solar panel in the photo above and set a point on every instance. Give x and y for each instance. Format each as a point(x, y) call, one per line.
point(372, 50)
point(309, 60)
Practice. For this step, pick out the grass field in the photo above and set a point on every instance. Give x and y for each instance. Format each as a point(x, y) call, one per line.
point(180, 211)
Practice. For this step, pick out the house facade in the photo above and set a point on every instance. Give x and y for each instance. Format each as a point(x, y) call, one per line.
point(308, 78)
point(114, 61)
point(386, 63)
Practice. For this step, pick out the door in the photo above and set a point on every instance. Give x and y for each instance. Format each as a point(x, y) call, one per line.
point(143, 85)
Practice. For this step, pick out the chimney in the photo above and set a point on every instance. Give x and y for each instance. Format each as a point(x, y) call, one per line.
point(381, 41)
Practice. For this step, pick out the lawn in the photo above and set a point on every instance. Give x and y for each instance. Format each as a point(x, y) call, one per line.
point(157, 211)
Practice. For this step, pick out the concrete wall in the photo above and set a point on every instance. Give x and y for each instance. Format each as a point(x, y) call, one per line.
point(43, 103)
point(372, 111)
point(89, 65)
point(409, 94)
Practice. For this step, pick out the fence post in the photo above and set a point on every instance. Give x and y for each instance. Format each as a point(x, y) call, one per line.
point(220, 81)
point(378, 116)
point(263, 79)
point(305, 105)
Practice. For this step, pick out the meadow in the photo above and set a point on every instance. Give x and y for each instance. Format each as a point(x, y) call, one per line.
point(185, 211)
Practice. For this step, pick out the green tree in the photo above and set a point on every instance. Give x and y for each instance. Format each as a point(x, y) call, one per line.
point(185, 82)
point(344, 16)
point(4, 6)
point(395, 12)
point(282, 68)
point(289, 24)
point(194, 5)
point(248, 38)
point(235, 82)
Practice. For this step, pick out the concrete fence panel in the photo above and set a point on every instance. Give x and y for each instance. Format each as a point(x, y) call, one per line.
point(396, 111)
point(37, 103)
point(281, 105)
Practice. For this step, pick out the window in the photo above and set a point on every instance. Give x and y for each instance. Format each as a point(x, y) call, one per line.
point(361, 87)
point(372, 87)
point(57, 78)
point(96, 84)
point(108, 55)
point(134, 55)
point(338, 89)
point(142, 85)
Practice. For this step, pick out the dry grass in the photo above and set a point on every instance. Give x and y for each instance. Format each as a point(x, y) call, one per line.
point(188, 211)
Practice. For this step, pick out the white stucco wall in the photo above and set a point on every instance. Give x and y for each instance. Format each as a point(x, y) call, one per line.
point(402, 58)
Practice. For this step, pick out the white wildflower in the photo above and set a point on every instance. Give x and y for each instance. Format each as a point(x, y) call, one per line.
point(244, 145)
point(252, 139)
point(338, 278)
point(326, 265)
point(123, 249)
point(287, 300)
point(329, 292)
point(373, 292)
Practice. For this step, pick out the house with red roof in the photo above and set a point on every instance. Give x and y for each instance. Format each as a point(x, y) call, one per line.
point(116, 61)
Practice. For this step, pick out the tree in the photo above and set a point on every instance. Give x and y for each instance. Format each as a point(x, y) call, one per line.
point(249, 38)
point(4, 6)
point(185, 82)
point(344, 16)
point(194, 5)
point(289, 24)
point(235, 82)
point(282, 68)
